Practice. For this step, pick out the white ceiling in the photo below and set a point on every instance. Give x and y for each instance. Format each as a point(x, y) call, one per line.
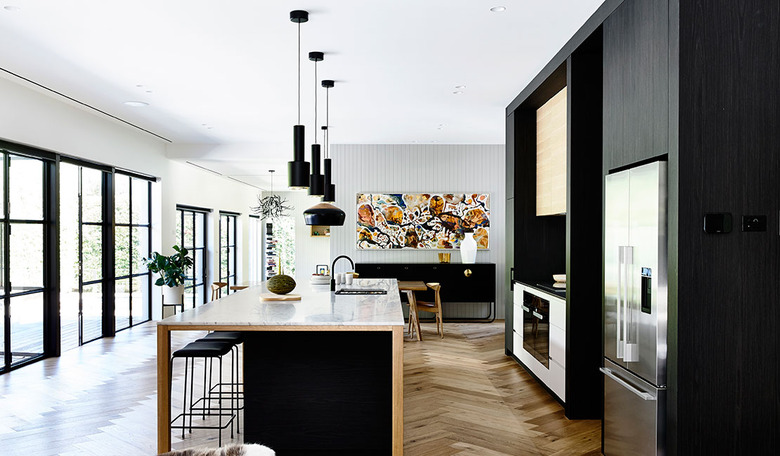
point(220, 77)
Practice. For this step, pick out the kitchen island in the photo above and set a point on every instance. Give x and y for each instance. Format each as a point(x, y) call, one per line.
point(323, 375)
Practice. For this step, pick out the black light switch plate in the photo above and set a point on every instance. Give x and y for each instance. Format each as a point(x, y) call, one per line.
point(754, 223)
point(717, 223)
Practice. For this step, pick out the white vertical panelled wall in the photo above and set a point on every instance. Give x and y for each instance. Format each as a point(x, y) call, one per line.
point(422, 169)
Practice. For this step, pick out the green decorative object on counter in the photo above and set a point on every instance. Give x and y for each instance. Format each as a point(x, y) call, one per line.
point(281, 284)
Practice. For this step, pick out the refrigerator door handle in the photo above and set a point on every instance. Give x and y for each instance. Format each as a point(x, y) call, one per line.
point(525, 308)
point(629, 350)
point(609, 373)
point(619, 330)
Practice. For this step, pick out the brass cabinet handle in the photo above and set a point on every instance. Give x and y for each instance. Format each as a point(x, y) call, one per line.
point(467, 273)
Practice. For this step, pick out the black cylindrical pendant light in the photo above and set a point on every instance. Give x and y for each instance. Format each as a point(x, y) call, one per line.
point(298, 169)
point(329, 190)
point(326, 213)
point(316, 180)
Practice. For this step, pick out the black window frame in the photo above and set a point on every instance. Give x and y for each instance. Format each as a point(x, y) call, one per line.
point(183, 212)
point(232, 234)
point(130, 225)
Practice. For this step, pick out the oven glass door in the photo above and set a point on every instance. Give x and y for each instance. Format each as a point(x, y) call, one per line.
point(536, 327)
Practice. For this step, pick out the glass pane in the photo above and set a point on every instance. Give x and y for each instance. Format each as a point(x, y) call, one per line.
point(26, 262)
point(69, 318)
point(91, 195)
point(191, 273)
point(140, 249)
point(141, 299)
point(189, 294)
point(122, 251)
point(69, 256)
point(2, 270)
point(122, 301)
point(178, 225)
point(140, 201)
point(26, 326)
point(200, 230)
point(200, 294)
point(69, 241)
point(92, 312)
point(121, 198)
point(189, 230)
point(223, 231)
point(26, 188)
point(92, 252)
point(2, 202)
point(223, 266)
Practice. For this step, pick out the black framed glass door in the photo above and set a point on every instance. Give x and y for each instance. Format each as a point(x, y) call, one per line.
point(23, 240)
point(82, 227)
point(132, 242)
point(191, 226)
point(227, 248)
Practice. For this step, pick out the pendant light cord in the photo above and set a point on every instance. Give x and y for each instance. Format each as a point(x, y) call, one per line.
point(326, 135)
point(315, 102)
point(299, 73)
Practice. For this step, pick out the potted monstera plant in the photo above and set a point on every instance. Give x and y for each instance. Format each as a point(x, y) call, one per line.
point(172, 271)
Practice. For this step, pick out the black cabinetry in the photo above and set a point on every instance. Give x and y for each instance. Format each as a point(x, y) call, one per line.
point(459, 282)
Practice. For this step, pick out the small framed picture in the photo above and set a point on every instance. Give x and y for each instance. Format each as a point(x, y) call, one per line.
point(322, 269)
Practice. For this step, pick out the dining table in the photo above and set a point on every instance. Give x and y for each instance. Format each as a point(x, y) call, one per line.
point(409, 287)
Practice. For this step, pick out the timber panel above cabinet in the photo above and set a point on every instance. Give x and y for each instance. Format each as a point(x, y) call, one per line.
point(480, 286)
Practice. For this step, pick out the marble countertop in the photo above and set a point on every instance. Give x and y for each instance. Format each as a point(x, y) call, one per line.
point(318, 307)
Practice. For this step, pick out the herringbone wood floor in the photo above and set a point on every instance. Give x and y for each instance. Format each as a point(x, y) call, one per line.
point(462, 396)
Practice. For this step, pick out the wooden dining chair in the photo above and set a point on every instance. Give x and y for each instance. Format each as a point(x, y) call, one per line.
point(239, 287)
point(432, 307)
point(216, 288)
point(414, 321)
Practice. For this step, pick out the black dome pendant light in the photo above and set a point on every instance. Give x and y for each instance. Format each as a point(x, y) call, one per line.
point(329, 192)
point(326, 213)
point(298, 169)
point(316, 180)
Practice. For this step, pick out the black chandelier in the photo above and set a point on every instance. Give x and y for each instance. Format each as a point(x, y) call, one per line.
point(273, 206)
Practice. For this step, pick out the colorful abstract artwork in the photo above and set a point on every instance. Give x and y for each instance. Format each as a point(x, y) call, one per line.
point(421, 220)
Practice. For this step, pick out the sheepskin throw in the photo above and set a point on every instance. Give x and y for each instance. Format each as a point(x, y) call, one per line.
point(230, 450)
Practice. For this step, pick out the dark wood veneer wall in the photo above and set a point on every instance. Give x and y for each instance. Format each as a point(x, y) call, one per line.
point(547, 245)
point(728, 312)
point(694, 81)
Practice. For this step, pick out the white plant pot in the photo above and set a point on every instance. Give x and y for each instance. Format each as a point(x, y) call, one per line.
point(172, 295)
point(468, 249)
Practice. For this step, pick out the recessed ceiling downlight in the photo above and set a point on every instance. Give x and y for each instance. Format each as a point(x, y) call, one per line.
point(11, 8)
point(136, 104)
point(498, 9)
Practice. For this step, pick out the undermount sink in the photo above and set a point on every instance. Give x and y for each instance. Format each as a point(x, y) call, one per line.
point(361, 291)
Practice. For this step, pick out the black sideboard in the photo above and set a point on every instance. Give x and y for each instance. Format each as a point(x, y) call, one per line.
point(459, 282)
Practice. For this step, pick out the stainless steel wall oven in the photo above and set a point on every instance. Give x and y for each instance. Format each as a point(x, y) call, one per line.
point(536, 327)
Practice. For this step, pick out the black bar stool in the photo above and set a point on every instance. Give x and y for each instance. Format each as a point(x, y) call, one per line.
point(206, 350)
point(236, 391)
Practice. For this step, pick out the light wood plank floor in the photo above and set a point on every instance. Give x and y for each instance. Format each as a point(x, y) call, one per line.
point(462, 396)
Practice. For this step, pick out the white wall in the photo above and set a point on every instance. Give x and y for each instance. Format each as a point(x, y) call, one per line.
point(421, 169)
point(309, 251)
point(33, 117)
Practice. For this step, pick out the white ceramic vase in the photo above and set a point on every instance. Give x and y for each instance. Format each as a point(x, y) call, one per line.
point(468, 249)
point(172, 295)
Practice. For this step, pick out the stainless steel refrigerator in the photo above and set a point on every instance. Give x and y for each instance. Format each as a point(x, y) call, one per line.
point(635, 311)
